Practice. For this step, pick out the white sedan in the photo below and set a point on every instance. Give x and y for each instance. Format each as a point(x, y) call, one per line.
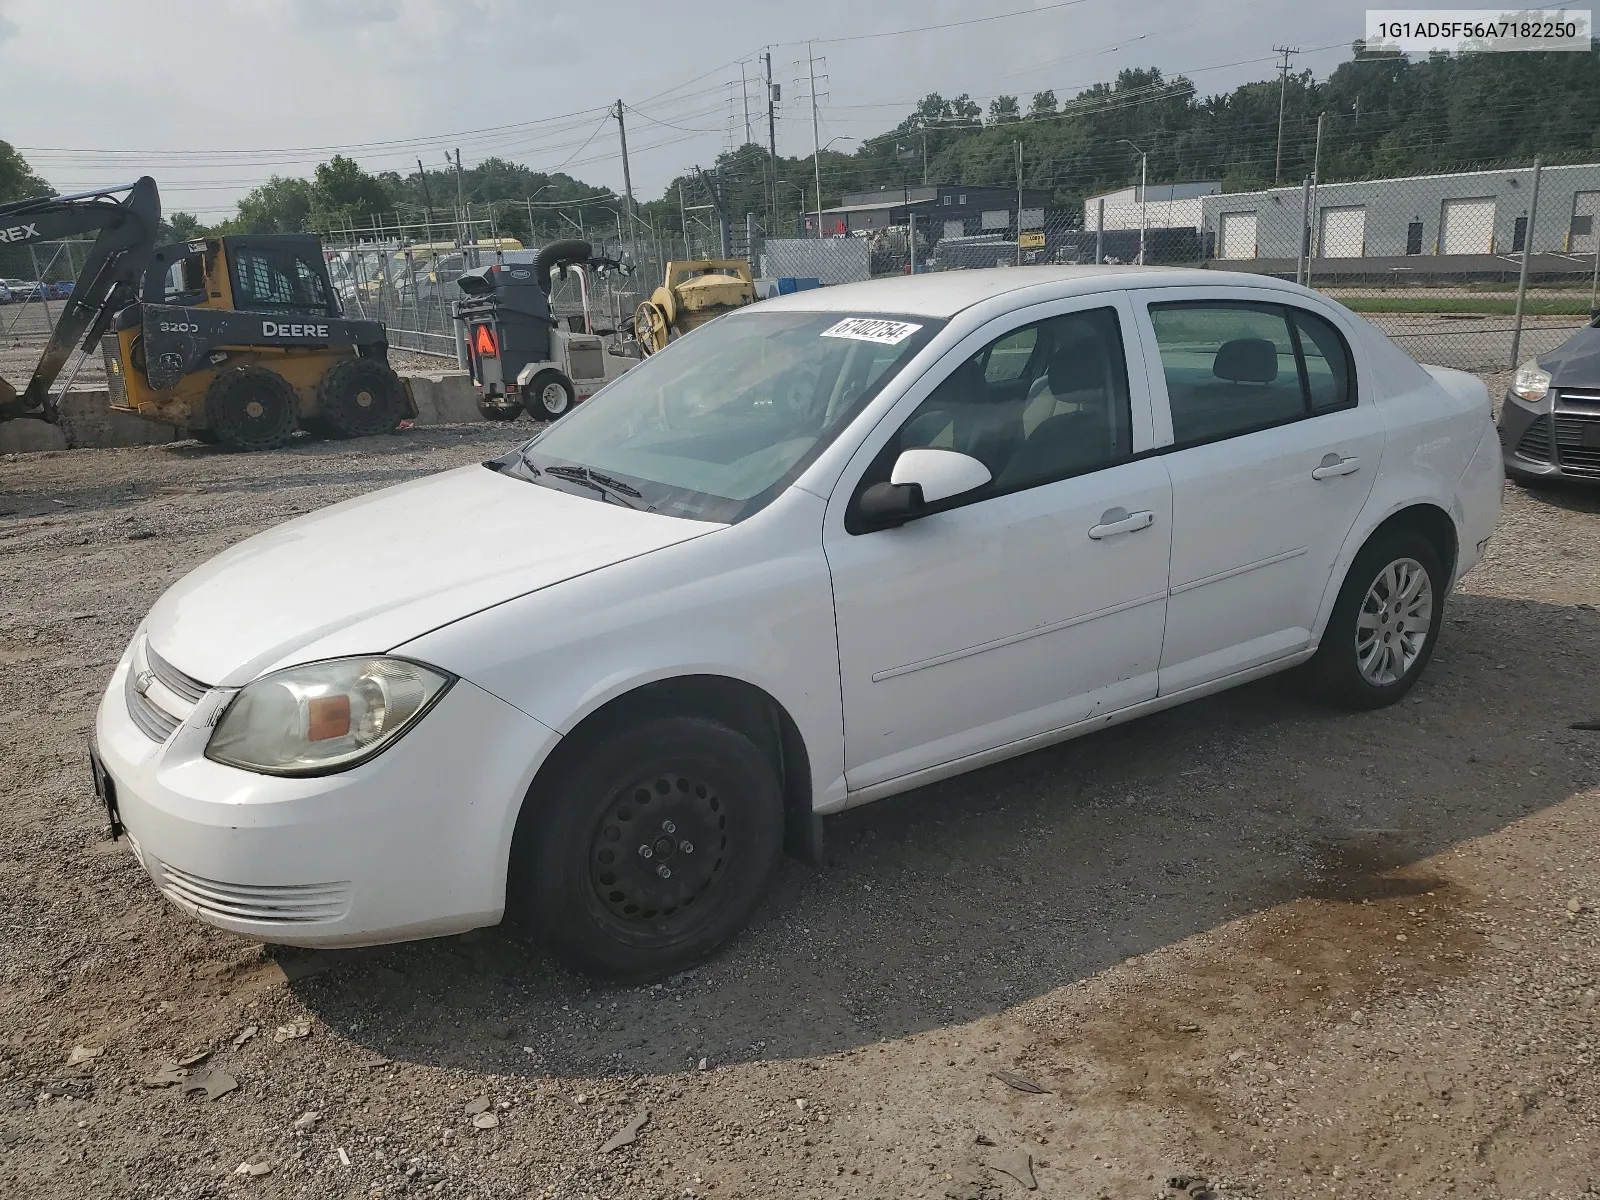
point(826, 549)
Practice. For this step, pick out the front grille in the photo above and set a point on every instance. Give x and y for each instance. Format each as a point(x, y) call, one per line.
point(1575, 456)
point(1535, 441)
point(291, 904)
point(155, 723)
point(115, 384)
point(187, 686)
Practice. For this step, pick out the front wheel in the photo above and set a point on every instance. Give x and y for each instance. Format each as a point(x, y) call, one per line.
point(649, 850)
point(1384, 624)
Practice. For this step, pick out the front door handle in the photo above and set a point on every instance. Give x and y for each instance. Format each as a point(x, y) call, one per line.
point(1333, 465)
point(1119, 520)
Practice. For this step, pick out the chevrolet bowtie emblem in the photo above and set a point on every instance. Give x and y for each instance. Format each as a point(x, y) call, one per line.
point(142, 682)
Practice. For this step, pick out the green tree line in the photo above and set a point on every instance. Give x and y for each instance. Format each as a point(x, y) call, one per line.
point(1381, 115)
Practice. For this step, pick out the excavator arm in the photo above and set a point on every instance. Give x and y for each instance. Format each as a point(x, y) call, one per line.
point(128, 219)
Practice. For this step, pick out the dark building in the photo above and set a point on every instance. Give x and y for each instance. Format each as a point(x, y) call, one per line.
point(942, 210)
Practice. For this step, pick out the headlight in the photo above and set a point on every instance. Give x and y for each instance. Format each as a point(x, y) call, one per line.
point(1530, 383)
point(323, 717)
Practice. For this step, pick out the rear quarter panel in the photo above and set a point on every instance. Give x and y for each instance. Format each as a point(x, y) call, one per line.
point(1436, 421)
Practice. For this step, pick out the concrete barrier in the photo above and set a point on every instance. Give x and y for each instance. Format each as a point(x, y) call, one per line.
point(27, 436)
point(444, 398)
point(86, 420)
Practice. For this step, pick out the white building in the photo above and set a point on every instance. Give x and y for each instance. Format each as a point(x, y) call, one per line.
point(1166, 206)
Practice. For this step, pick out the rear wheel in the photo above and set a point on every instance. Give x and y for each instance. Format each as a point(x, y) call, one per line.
point(497, 410)
point(1384, 624)
point(360, 397)
point(251, 408)
point(548, 396)
point(649, 850)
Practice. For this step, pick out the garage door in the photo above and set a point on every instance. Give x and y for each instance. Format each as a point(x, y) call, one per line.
point(1343, 233)
point(1238, 235)
point(1585, 212)
point(954, 229)
point(1467, 227)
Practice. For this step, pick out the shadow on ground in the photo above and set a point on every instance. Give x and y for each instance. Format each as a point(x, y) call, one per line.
point(962, 899)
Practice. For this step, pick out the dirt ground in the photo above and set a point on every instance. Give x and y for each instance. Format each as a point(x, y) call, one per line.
point(1252, 946)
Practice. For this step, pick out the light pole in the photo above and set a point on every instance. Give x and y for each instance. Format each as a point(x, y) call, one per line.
point(816, 163)
point(800, 194)
point(1144, 163)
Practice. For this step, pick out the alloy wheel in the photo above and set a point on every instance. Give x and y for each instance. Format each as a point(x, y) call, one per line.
point(1393, 622)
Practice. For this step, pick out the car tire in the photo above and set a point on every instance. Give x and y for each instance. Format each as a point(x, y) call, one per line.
point(1372, 651)
point(251, 408)
point(705, 803)
point(359, 397)
point(548, 397)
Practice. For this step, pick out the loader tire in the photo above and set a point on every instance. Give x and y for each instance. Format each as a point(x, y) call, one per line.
point(360, 397)
point(251, 408)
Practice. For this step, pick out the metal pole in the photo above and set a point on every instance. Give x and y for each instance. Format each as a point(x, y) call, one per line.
point(744, 94)
point(912, 217)
point(683, 219)
point(772, 141)
point(1018, 145)
point(816, 150)
point(1594, 288)
point(1527, 253)
point(1144, 199)
point(461, 201)
point(1100, 231)
point(1305, 215)
point(627, 187)
point(1313, 232)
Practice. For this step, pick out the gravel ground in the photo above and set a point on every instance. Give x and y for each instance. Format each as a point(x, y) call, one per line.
point(1254, 942)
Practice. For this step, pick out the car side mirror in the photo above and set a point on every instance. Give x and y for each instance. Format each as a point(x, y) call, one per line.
point(920, 477)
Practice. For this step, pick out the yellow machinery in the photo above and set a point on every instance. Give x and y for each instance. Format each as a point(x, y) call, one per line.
point(237, 339)
point(694, 292)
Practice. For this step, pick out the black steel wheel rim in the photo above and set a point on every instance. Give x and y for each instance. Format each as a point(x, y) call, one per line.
point(660, 847)
point(256, 410)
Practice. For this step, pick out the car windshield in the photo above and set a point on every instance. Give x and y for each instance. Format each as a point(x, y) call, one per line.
point(721, 421)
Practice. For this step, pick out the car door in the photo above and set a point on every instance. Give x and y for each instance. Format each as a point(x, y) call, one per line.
point(1031, 603)
point(1273, 451)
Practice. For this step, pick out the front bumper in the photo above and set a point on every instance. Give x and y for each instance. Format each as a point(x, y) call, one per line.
point(410, 844)
point(1560, 442)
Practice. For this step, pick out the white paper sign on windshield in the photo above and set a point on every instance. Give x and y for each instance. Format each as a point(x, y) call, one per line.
point(872, 329)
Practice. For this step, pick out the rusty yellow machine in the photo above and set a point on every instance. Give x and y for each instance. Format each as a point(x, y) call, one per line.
point(695, 292)
point(236, 339)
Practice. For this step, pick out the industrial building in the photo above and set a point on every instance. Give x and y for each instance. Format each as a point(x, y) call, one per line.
point(1159, 206)
point(1473, 213)
point(944, 210)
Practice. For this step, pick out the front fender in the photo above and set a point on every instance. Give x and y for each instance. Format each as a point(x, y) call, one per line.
point(731, 603)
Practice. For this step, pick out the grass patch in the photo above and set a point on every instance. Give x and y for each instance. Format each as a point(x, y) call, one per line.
point(1484, 306)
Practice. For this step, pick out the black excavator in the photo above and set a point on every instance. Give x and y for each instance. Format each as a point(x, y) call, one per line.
point(238, 339)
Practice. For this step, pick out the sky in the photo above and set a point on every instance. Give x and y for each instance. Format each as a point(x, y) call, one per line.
point(214, 96)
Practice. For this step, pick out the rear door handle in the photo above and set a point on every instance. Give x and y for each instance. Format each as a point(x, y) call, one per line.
point(1333, 465)
point(1119, 520)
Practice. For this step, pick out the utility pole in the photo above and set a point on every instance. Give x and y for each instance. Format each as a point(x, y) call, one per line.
point(461, 198)
point(427, 199)
point(1283, 95)
point(1316, 178)
point(683, 219)
point(627, 184)
point(774, 94)
point(744, 94)
point(816, 149)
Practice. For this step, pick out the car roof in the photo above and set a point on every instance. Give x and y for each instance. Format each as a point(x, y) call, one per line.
point(945, 293)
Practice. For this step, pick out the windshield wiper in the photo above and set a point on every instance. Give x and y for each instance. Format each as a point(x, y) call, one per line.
point(604, 484)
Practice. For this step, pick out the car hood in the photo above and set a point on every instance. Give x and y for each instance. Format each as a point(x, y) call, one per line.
point(371, 573)
point(1576, 362)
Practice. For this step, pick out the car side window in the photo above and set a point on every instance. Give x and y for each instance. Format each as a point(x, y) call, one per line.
point(1230, 368)
point(1075, 417)
point(1330, 374)
point(1008, 358)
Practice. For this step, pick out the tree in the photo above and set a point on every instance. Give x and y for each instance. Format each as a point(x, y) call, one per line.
point(181, 227)
point(1044, 104)
point(17, 180)
point(1003, 110)
point(278, 206)
point(342, 193)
